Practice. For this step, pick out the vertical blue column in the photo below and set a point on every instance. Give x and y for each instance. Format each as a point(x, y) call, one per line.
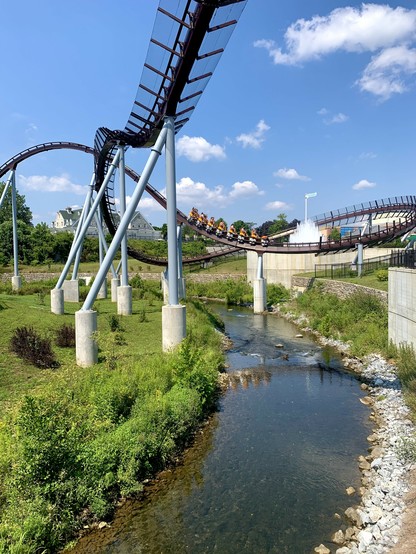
point(171, 209)
point(124, 258)
point(14, 218)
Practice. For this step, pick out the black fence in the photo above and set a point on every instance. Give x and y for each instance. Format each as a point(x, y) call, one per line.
point(400, 258)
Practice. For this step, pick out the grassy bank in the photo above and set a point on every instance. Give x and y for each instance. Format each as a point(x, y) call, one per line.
point(73, 440)
point(361, 320)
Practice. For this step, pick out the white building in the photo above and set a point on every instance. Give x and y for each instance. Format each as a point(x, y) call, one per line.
point(139, 228)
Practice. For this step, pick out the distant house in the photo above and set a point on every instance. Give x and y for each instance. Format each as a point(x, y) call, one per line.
point(139, 228)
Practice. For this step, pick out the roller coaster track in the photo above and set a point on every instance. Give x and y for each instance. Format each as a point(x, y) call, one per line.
point(184, 50)
point(401, 210)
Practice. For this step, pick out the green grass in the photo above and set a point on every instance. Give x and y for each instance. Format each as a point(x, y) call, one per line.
point(369, 280)
point(72, 440)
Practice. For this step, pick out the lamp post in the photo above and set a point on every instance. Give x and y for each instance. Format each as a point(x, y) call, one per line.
point(308, 195)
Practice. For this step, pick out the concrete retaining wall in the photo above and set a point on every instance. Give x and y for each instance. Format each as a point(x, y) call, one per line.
point(402, 306)
point(280, 268)
point(339, 288)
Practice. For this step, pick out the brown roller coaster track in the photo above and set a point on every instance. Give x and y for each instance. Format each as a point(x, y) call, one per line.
point(401, 211)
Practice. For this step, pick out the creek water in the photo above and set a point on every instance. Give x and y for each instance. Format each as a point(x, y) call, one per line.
point(270, 469)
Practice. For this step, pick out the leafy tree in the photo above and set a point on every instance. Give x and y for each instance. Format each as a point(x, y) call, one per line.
point(63, 243)
point(6, 242)
point(246, 224)
point(23, 211)
point(335, 234)
point(279, 224)
point(43, 244)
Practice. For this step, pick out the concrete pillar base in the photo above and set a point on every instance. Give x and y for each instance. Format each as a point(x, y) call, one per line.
point(71, 290)
point(260, 296)
point(16, 282)
point(173, 326)
point(57, 301)
point(124, 300)
point(115, 283)
point(102, 293)
point(86, 347)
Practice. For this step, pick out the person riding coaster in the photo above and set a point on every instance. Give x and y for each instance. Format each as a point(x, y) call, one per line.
point(221, 229)
point(211, 225)
point(264, 241)
point(254, 237)
point(202, 220)
point(242, 235)
point(193, 216)
point(232, 233)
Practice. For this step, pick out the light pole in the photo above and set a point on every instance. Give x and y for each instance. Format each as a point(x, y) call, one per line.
point(308, 195)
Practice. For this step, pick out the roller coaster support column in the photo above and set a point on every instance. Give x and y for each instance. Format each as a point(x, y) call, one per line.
point(259, 288)
point(174, 314)
point(181, 279)
point(102, 293)
point(71, 287)
point(124, 291)
point(86, 318)
point(11, 182)
point(57, 296)
point(360, 259)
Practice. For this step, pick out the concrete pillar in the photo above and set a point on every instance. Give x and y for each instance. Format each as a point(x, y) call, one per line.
point(86, 347)
point(173, 326)
point(260, 296)
point(16, 282)
point(124, 300)
point(71, 290)
point(57, 301)
point(102, 291)
point(115, 283)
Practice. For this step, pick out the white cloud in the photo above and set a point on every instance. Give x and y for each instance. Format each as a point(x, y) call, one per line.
point(278, 205)
point(245, 188)
point(60, 183)
point(375, 28)
point(367, 156)
point(363, 184)
point(290, 174)
point(150, 204)
point(197, 149)
point(338, 118)
point(256, 138)
point(388, 72)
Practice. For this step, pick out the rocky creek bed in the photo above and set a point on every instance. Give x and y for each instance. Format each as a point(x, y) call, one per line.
point(375, 520)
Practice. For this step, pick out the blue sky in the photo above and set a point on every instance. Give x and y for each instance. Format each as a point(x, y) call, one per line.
point(308, 97)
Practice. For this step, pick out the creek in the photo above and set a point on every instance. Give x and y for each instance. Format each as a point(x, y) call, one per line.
point(269, 470)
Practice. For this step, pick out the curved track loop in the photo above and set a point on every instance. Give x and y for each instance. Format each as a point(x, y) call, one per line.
point(400, 209)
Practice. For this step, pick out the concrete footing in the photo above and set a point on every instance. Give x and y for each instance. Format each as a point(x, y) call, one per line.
point(85, 343)
point(16, 282)
point(173, 326)
point(124, 300)
point(57, 301)
point(115, 283)
point(71, 290)
point(260, 296)
point(102, 293)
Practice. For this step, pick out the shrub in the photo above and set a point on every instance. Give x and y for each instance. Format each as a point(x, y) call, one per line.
point(277, 293)
point(382, 275)
point(65, 336)
point(30, 346)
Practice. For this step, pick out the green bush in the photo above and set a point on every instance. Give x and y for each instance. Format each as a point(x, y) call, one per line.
point(276, 294)
point(382, 274)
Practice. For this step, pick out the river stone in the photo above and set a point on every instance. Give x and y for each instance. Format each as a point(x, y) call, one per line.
point(354, 516)
point(375, 514)
point(338, 537)
point(322, 549)
point(365, 538)
point(343, 550)
point(279, 345)
point(367, 401)
point(350, 490)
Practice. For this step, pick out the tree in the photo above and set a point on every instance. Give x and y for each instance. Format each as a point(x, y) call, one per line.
point(279, 224)
point(246, 224)
point(43, 244)
point(23, 211)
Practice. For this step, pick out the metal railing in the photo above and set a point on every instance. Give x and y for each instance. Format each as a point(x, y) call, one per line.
point(400, 258)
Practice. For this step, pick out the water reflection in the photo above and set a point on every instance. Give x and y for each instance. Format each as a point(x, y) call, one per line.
point(270, 470)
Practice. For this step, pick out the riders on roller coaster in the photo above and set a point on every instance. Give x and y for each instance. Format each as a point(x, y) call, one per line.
point(254, 237)
point(221, 229)
point(232, 233)
point(242, 235)
point(211, 225)
point(193, 216)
